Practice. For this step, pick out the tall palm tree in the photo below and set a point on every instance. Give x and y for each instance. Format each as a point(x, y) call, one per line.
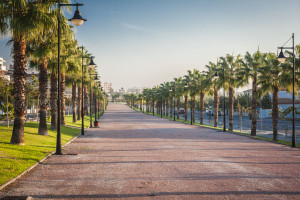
point(179, 90)
point(20, 18)
point(193, 89)
point(270, 79)
point(231, 65)
point(204, 87)
point(249, 71)
point(216, 84)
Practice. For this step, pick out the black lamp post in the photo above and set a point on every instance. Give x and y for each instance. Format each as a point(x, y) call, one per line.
point(216, 76)
point(186, 85)
point(91, 64)
point(96, 78)
point(77, 20)
point(282, 58)
point(171, 89)
point(160, 92)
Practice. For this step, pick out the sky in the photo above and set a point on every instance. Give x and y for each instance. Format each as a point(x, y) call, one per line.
point(142, 43)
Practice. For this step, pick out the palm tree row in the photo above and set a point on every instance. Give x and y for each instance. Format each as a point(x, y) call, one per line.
point(32, 26)
point(262, 70)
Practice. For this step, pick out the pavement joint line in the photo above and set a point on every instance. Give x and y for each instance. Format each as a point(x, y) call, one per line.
point(231, 132)
point(11, 181)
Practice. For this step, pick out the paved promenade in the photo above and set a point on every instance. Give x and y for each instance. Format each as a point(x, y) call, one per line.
point(135, 156)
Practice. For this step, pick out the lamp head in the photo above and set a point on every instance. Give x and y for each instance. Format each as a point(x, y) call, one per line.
point(281, 58)
point(186, 84)
point(171, 89)
point(77, 19)
point(216, 76)
point(92, 64)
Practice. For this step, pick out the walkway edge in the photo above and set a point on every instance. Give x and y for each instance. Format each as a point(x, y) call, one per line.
point(33, 166)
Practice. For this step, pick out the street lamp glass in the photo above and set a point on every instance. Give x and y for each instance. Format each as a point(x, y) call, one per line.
point(186, 85)
point(216, 76)
point(281, 58)
point(77, 19)
point(92, 64)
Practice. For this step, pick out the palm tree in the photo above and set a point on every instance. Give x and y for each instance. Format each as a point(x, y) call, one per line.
point(270, 79)
point(204, 87)
point(21, 19)
point(193, 89)
point(249, 71)
point(179, 88)
point(215, 84)
point(231, 65)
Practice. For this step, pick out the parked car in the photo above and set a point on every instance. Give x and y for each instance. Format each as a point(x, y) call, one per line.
point(181, 111)
point(212, 113)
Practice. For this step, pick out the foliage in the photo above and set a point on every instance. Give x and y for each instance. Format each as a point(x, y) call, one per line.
point(266, 102)
point(6, 98)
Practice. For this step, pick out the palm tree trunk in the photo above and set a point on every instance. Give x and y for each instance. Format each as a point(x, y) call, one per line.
point(79, 102)
point(185, 107)
point(201, 107)
point(254, 106)
point(178, 107)
point(86, 100)
point(19, 76)
point(216, 106)
point(230, 104)
point(275, 113)
point(164, 107)
point(63, 98)
point(53, 100)
point(167, 107)
point(43, 84)
point(193, 109)
point(74, 101)
point(171, 106)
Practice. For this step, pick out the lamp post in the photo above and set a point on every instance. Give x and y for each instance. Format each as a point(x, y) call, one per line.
point(91, 64)
point(96, 78)
point(281, 58)
point(160, 92)
point(171, 89)
point(216, 76)
point(77, 20)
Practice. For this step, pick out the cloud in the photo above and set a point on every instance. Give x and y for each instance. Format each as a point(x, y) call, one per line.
point(139, 28)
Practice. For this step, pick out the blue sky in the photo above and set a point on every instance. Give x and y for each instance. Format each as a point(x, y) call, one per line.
point(147, 42)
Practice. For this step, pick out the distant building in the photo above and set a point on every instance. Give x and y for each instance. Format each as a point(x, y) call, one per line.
point(107, 87)
point(135, 90)
point(3, 69)
point(29, 74)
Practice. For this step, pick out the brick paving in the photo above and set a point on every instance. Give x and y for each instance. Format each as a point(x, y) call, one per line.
point(137, 156)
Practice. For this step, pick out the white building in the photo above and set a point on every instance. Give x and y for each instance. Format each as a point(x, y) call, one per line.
point(3, 69)
point(107, 87)
point(135, 90)
point(30, 74)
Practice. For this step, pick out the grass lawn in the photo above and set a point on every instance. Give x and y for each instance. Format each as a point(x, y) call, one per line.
point(69, 121)
point(15, 159)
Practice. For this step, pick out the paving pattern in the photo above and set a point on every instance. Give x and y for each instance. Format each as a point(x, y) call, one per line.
point(137, 156)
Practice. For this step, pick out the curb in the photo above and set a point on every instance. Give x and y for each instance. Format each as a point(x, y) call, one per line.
point(33, 166)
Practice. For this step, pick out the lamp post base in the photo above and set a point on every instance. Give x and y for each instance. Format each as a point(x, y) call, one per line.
point(96, 124)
